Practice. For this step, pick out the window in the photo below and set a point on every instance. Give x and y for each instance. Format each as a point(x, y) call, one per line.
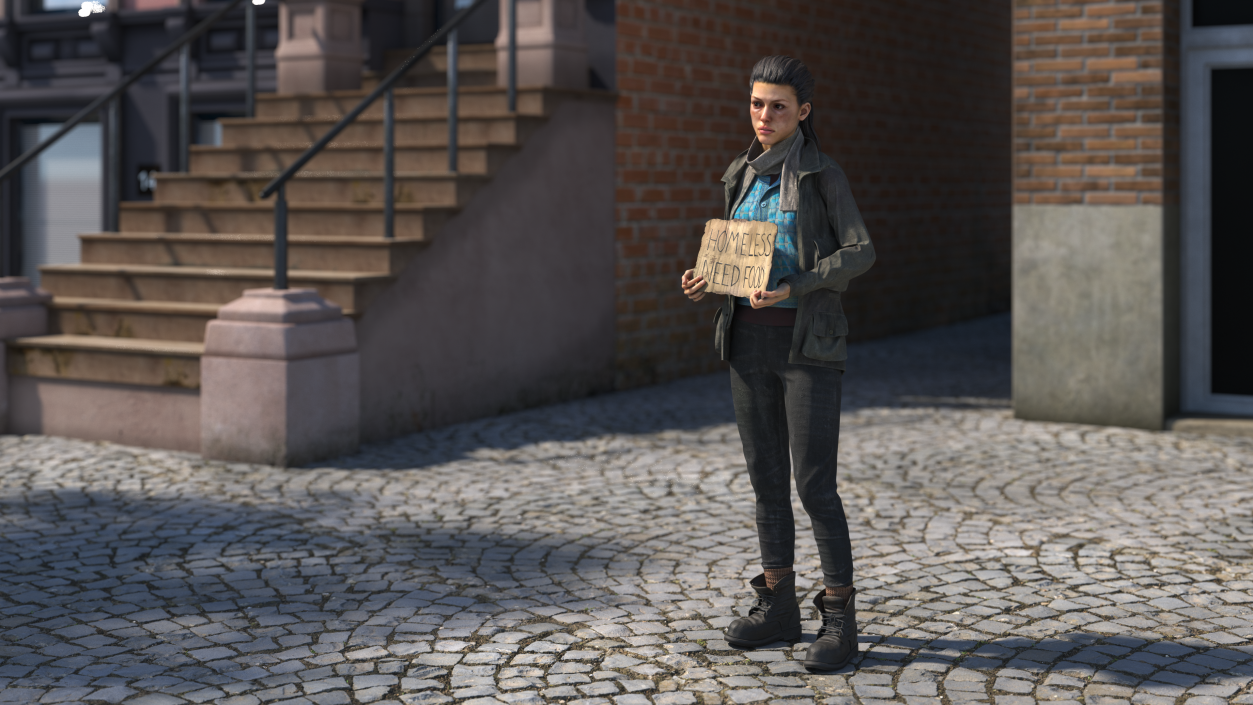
point(56, 5)
point(53, 49)
point(224, 40)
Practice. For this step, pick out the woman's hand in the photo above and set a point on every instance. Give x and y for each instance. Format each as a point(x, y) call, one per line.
point(762, 299)
point(693, 286)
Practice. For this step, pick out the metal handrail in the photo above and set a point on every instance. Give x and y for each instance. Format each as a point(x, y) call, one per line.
point(120, 88)
point(384, 88)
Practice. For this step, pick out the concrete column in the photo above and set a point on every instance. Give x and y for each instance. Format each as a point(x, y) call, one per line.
point(23, 312)
point(1096, 218)
point(319, 46)
point(552, 49)
point(1096, 310)
point(279, 380)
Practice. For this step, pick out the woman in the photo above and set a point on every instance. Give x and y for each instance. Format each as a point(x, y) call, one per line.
point(786, 347)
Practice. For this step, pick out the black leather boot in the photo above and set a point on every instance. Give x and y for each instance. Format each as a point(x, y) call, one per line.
point(836, 644)
point(774, 617)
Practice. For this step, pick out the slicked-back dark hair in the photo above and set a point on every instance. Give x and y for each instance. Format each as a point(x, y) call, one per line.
point(786, 71)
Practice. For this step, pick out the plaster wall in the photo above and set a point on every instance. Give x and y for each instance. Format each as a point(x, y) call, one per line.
point(1095, 302)
point(152, 417)
point(512, 305)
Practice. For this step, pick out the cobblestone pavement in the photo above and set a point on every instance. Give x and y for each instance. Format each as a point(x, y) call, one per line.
point(591, 552)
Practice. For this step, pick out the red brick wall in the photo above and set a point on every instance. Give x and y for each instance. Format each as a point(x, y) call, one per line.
point(1096, 101)
point(913, 100)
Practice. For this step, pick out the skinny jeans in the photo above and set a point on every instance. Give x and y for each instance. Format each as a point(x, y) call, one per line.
point(780, 404)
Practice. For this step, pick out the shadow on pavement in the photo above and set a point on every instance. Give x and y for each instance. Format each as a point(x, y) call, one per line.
point(99, 550)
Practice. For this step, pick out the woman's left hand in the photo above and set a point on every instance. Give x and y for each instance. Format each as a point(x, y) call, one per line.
point(762, 299)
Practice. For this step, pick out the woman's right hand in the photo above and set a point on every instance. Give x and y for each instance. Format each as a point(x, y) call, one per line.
point(693, 286)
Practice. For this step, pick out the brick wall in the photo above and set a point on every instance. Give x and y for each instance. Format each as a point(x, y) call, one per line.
point(913, 100)
point(1096, 102)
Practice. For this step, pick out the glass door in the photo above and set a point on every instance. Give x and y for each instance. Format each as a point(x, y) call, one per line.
point(1217, 234)
point(61, 194)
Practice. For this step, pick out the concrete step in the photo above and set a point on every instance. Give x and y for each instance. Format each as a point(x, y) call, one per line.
point(413, 222)
point(535, 101)
point(476, 66)
point(472, 158)
point(286, 132)
point(1212, 426)
point(466, 78)
point(357, 187)
point(204, 285)
point(116, 318)
point(470, 57)
point(86, 358)
point(339, 254)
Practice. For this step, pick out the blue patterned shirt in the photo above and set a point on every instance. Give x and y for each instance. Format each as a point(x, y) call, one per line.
point(762, 203)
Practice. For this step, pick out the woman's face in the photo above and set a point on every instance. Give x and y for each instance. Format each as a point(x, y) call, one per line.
point(776, 114)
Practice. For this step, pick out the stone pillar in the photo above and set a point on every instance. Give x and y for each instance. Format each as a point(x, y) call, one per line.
point(279, 380)
point(23, 312)
point(552, 49)
point(319, 46)
point(1095, 216)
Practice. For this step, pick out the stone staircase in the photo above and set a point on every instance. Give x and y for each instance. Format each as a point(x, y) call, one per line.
point(476, 66)
point(133, 313)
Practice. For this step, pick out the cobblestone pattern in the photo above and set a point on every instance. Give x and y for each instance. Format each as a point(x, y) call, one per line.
point(592, 552)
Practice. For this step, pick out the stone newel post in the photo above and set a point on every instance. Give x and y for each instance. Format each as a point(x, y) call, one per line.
point(552, 50)
point(319, 45)
point(23, 312)
point(279, 380)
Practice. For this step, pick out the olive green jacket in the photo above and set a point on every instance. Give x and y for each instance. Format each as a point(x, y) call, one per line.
point(833, 246)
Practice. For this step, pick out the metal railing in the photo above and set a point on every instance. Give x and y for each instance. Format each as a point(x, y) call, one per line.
point(111, 101)
point(385, 89)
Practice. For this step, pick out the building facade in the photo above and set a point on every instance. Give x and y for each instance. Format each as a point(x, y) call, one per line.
point(912, 100)
point(1130, 132)
point(58, 56)
point(1077, 161)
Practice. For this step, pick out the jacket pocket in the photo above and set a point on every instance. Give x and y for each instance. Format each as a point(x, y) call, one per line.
point(826, 339)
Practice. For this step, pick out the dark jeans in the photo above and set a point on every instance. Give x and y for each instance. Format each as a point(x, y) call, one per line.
point(777, 402)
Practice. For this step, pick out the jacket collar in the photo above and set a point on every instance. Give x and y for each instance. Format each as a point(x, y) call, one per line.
point(810, 162)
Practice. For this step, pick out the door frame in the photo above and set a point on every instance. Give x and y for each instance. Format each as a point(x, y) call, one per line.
point(1204, 49)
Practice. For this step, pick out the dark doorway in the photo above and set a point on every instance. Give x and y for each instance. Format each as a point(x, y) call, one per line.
point(1217, 13)
point(1231, 233)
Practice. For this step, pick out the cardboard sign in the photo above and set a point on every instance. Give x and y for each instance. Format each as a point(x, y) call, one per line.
point(735, 256)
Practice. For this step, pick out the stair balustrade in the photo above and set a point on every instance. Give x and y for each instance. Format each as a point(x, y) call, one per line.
point(111, 102)
point(385, 89)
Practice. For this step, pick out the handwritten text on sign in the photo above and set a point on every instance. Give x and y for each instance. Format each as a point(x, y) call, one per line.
point(735, 256)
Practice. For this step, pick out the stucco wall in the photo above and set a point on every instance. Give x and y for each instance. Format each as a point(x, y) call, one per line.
point(512, 305)
point(1095, 333)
